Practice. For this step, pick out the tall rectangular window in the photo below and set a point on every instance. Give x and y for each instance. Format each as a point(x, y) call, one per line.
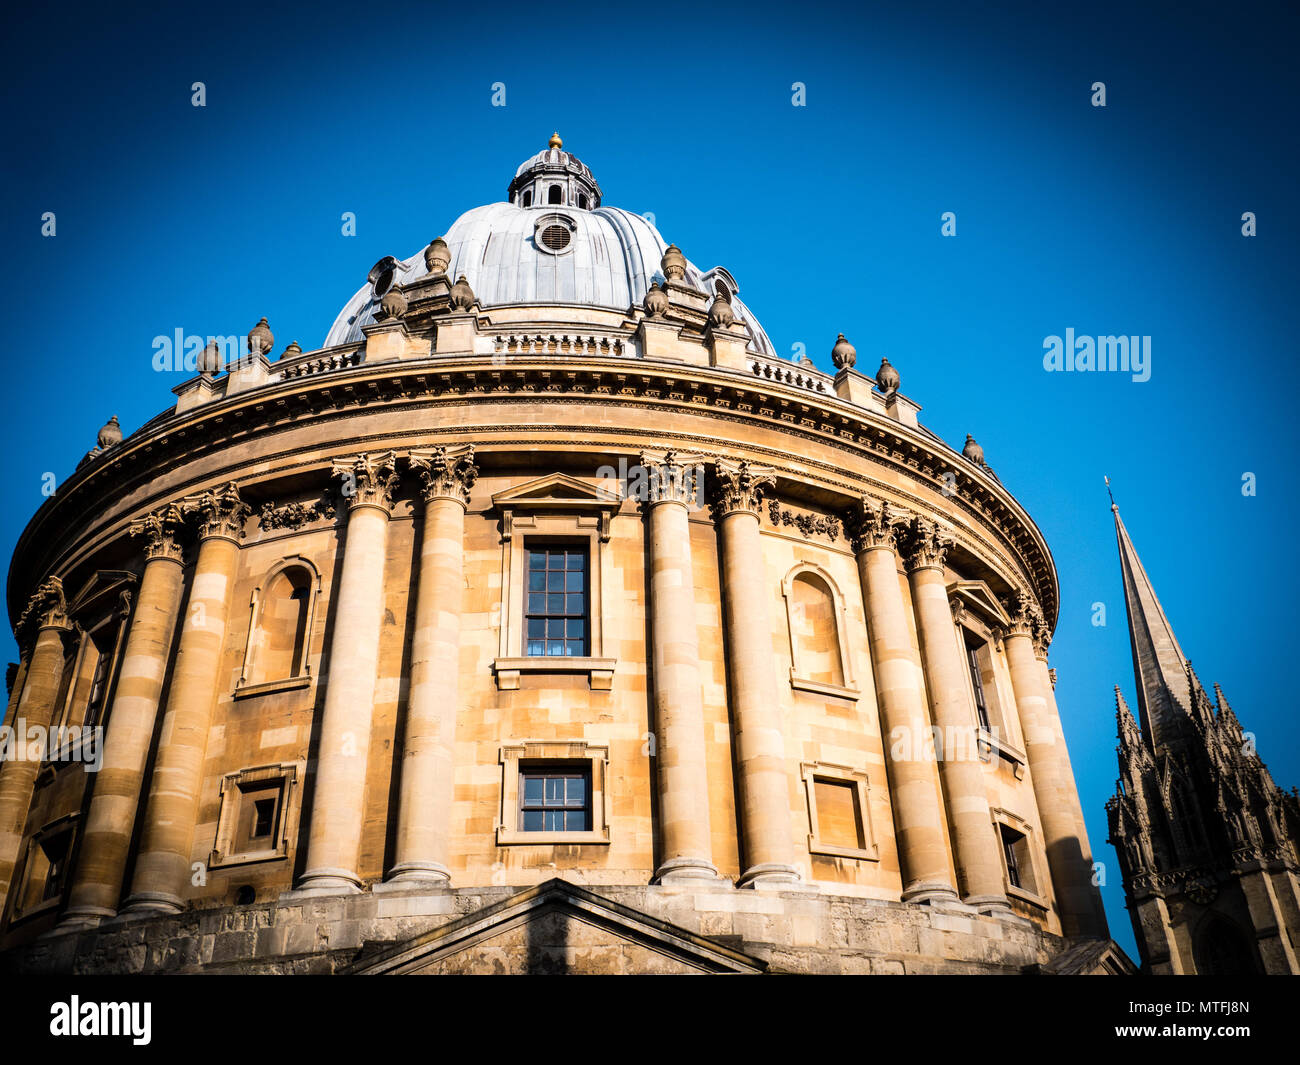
point(555, 614)
point(554, 799)
point(1020, 864)
point(976, 679)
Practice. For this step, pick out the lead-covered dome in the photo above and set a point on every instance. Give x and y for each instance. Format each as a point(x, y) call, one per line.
point(551, 253)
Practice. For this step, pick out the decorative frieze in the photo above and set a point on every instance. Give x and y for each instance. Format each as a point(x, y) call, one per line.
point(808, 524)
point(446, 472)
point(739, 486)
point(294, 516)
point(367, 479)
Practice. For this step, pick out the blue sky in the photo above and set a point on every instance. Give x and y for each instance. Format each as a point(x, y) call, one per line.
point(1117, 220)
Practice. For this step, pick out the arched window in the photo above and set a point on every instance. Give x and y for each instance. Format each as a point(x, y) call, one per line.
point(554, 196)
point(1221, 950)
point(582, 201)
point(528, 198)
point(818, 654)
point(280, 625)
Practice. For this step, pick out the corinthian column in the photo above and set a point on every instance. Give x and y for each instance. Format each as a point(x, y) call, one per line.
point(101, 862)
point(760, 746)
point(162, 869)
point(338, 810)
point(424, 810)
point(913, 781)
point(1068, 855)
point(977, 851)
point(686, 851)
point(46, 612)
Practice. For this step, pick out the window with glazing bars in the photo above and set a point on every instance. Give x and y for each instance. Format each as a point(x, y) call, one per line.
point(1011, 848)
point(555, 614)
point(977, 680)
point(554, 799)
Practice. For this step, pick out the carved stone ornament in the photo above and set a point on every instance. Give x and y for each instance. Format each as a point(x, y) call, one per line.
point(923, 545)
point(739, 486)
point(393, 305)
point(47, 608)
point(721, 316)
point(973, 451)
point(1027, 620)
point(887, 379)
point(870, 525)
point(111, 434)
point(218, 512)
point(295, 515)
point(260, 338)
point(673, 264)
point(368, 479)
point(656, 301)
point(462, 296)
point(843, 354)
point(292, 351)
point(210, 359)
point(671, 478)
point(162, 530)
point(808, 524)
point(437, 257)
point(446, 472)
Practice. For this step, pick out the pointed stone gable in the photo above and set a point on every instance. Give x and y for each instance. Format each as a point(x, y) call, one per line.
point(556, 928)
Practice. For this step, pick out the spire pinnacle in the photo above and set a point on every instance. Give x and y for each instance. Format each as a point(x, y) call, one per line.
point(1159, 666)
point(1113, 507)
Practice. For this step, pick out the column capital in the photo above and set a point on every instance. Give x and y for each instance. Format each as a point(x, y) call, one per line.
point(369, 479)
point(672, 478)
point(1027, 620)
point(869, 526)
point(446, 472)
point(219, 512)
point(46, 609)
point(162, 530)
point(923, 544)
point(739, 486)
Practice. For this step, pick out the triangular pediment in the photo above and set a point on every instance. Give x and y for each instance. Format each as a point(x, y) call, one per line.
point(555, 490)
point(556, 928)
point(978, 597)
point(99, 587)
point(1090, 957)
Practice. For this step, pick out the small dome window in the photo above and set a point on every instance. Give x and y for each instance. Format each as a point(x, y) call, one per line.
point(582, 201)
point(553, 233)
point(555, 237)
point(382, 275)
point(528, 198)
point(554, 196)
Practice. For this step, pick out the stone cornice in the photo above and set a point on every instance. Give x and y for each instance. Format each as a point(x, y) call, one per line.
point(866, 438)
point(445, 472)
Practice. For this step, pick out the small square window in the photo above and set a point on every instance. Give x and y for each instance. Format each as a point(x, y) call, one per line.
point(553, 793)
point(251, 821)
point(554, 799)
point(839, 812)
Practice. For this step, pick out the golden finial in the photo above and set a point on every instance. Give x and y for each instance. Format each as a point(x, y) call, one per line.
point(555, 141)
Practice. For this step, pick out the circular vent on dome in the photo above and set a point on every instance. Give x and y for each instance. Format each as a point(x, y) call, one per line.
point(556, 238)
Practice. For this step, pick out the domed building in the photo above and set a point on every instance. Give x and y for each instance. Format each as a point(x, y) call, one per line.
point(543, 620)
